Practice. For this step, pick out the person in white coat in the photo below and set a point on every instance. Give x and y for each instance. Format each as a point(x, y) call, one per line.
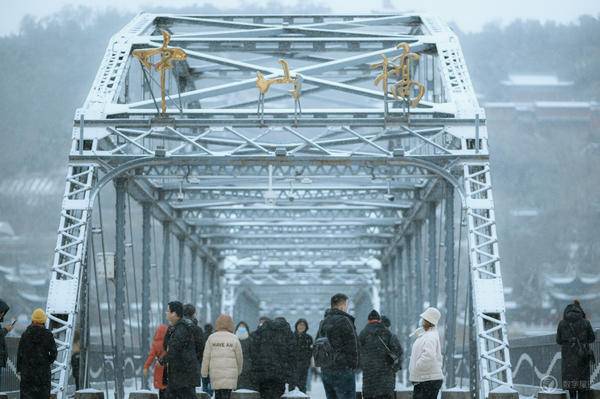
point(425, 368)
point(223, 358)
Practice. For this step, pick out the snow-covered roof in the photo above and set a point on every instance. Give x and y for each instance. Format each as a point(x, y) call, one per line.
point(535, 80)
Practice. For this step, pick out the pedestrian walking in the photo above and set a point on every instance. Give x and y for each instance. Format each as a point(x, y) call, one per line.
point(380, 354)
point(223, 358)
point(336, 350)
point(246, 380)
point(157, 351)
point(574, 334)
point(4, 308)
point(180, 357)
point(303, 354)
point(35, 355)
point(425, 367)
point(206, 386)
point(273, 357)
point(189, 312)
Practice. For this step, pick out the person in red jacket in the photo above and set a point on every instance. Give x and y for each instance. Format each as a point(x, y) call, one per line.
point(156, 352)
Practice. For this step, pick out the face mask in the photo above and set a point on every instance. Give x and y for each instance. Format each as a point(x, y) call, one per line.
point(242, 331)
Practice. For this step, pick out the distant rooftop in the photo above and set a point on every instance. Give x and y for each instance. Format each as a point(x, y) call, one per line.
point(535, 80)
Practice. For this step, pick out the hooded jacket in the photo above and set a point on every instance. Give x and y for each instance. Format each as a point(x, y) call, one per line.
point(573, 327)
point(272, 352)
point(156, 352)
point(223, 358)
point(426, 357)
point(35, 355)
point(338, 327)
point(3, 353)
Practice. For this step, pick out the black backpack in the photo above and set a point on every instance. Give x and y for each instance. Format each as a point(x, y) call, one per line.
point(323, 352)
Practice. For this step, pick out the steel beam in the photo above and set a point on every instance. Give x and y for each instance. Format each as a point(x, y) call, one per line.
point(120, 276)
point(167, 277)
point(451, 289)
point(432, 253)
point(146, 292)
point(181, 270)
point(194, 281)
point(418, 265)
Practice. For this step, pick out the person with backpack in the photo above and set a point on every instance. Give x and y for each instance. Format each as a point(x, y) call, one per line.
point(180, 358)
point(273, 357)
point(425, 367)
point(574, 334)
point(35, 355)
point(336, 350)
point(380, 359)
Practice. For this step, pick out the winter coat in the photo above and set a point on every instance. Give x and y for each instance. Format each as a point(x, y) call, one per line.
point(338, 327)
point(303, 346)
point(35, 355)
point(272, 352)
point(426, 357)
point(575, 370)
point(199, 341)
point(379, 378)
point(157, 351)
point(3, 353)
point(181, 358)
point(223, 360)
point(246, 379)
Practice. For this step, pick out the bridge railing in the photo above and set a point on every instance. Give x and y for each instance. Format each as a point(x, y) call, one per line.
point(534, 358)
point(98, 371)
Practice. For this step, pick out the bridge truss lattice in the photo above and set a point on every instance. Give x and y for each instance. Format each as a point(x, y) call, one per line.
point(295, 206)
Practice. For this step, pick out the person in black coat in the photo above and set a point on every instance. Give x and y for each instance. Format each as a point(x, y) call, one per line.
point(273, 357)
point(379, 375)
point(338, 327)
point(189, 312)
point(303, 355)
point(246, 379)
point(181, 358)
point(574, 334)
point(35, 355)
point(3, 331)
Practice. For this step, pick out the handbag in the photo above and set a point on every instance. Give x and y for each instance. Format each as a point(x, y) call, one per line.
point(583, 351)
point(392, 358)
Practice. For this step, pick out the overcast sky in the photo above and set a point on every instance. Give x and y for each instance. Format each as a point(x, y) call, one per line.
point(470, 15)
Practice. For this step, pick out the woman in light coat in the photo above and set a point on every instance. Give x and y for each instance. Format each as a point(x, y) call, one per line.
point(223, 358)
point(425, 367)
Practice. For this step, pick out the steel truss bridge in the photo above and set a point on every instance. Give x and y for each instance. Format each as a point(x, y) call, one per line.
point(250, 215)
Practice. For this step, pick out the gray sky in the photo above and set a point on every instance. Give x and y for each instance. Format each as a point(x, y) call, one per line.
point(470, 15)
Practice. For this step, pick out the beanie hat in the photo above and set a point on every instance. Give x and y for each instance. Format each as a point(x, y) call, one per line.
point(38, 316)
point(374, 315)
point(432, 315)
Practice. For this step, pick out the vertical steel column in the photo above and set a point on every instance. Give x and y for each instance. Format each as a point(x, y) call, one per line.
point(146, 253)
point(411, 305)
point(205, 286)
point(384, 288)
point(393, 312)
point(450, 288)
point(432, 249)
point(166, 297)
point(181, 273)
point(418, 254)
point(194, 273)
point(119, 365)
point(399, 300)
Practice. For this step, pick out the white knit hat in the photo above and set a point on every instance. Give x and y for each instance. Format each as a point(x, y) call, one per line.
point(432, 315)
